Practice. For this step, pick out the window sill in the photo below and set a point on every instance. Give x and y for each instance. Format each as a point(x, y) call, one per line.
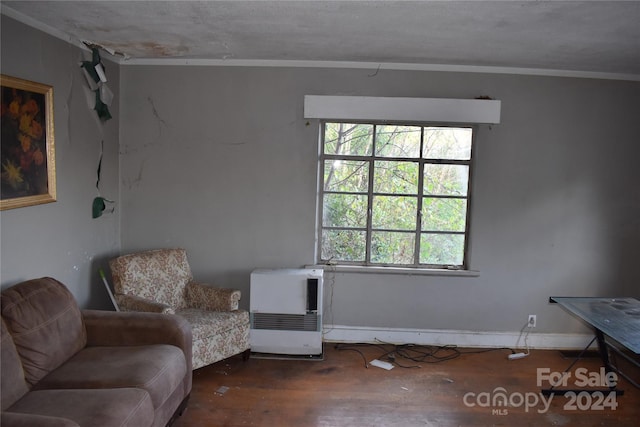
point(395, 270)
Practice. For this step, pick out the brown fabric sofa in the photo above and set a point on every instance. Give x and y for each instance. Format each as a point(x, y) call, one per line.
point(62, 366)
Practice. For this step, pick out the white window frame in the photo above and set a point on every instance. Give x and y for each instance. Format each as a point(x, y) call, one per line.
point(421, 160)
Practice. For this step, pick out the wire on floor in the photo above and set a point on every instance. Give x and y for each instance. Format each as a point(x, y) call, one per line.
point(411, 356)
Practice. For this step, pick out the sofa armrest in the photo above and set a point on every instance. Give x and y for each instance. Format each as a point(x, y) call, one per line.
point(136, 303)
point(17, 419)
point(110, 328)
point(206, 297)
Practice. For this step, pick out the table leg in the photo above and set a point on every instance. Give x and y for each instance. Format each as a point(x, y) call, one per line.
point(604, 355)
point(602, 349)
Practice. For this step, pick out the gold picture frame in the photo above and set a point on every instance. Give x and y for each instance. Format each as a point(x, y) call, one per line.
point(27, 159)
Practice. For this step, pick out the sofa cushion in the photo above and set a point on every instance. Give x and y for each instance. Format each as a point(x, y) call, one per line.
point(100, 408)
point(158, 369)
point(13, 384)
point(45, 323)
point(207, 324)
point(216, 335)
point(16, 419)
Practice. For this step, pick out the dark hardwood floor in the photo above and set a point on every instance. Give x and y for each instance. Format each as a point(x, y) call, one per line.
point(340, 391)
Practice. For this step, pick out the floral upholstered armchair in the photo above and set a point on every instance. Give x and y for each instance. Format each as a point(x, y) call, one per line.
point(161, 281)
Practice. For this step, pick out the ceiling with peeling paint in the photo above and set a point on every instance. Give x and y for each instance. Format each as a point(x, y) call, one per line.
point(587, 36)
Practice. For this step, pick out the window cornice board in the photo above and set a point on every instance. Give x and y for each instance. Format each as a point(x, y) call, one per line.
point(481, 111)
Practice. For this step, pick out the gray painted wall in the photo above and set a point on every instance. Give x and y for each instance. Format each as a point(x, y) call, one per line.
point(220, 161)
point(61, 239)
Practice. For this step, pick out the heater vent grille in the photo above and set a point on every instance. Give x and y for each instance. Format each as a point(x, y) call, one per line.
point(285, 322)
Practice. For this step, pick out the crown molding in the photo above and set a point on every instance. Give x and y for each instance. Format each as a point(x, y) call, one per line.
point(377, 66)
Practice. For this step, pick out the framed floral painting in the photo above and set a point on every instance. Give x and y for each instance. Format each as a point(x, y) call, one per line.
point(28, 165)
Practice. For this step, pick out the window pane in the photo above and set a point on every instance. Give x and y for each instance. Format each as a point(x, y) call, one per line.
point(394, 212)
point(447, 143)
point(343, 245)
point(441, 249)
point(388, 189)
point(444, 214)
point(392, 248)
point(398, 141)
point(446, 180)
point(395, 177)
point(348, 139)
point(346, 175)
point(344, 210)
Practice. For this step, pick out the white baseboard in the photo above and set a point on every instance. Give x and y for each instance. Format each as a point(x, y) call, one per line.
point(358, 334)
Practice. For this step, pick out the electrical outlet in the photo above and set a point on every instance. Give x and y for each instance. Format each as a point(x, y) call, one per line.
point(531, 322)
